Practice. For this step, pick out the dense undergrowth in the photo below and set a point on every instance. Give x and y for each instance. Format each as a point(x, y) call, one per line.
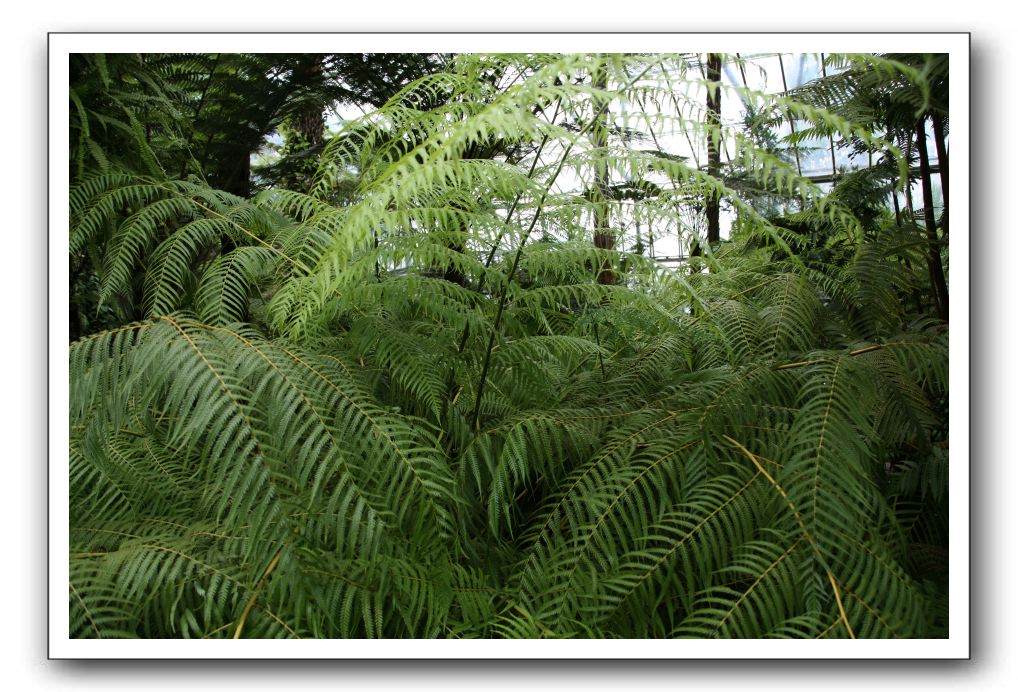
point(404, 402)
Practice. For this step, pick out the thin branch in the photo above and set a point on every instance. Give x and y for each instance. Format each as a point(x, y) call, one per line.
point(519, 252)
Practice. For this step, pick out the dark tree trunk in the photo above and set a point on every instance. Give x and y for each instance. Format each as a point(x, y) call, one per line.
point(830, 138)
point(75, 307)
point(239, 182)
point(936, 267)
point(74, 330)
point(938, 136)
point(713, 142)
point(894, 193)
point(605, 241)
point(308, 121)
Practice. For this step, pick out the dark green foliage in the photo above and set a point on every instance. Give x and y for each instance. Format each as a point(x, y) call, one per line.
point(291, 430)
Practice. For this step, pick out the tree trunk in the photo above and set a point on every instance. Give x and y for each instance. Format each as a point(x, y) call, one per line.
point(239, 182)
point(604, 239)
point(936, 267)
point(713, 145)
point(938, 136)
point(830, 138)
point(308, 121)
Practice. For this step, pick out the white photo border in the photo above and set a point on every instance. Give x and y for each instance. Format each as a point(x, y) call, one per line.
point(957, 45)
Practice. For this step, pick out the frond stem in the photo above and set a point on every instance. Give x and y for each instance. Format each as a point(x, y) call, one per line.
point(258, 589)
point(841, 607)
point(804, 363)
point(802, 525)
